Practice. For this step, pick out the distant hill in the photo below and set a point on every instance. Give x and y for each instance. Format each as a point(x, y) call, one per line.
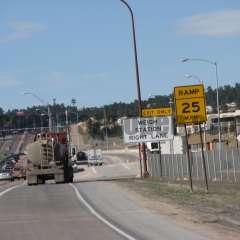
point(37, 116)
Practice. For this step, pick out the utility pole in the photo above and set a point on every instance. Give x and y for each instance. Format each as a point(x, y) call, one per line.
point(143, 147)
point(106, 129)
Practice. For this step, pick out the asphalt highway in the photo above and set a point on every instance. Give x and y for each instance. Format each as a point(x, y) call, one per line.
point(85, 210)
point(116, 164)
point(50, 212)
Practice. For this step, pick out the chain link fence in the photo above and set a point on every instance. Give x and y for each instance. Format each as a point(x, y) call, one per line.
point(221, 167)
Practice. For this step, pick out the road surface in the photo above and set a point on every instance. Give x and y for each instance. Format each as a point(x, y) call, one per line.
point(85, 210)
point(49, 212)
point(116, 164)
point(94, 211)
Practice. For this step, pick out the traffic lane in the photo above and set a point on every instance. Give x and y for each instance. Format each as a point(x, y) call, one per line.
point(3, 183)
point(115, 204)
point(107, 171)
point(7, 184)
point(49, 212)
point(112, 158)
point(112, 167)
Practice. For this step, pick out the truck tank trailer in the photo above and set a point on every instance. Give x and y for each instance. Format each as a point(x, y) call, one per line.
point(49, 159)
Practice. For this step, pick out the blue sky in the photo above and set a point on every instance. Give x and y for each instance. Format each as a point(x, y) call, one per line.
point(83, 48)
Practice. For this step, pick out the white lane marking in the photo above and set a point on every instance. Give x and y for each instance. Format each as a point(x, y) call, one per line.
point(97, 215)
point(126, 166)
point(94, 170)
point(8, 190)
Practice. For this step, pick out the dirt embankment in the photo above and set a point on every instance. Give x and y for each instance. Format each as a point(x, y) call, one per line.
point(217, 212)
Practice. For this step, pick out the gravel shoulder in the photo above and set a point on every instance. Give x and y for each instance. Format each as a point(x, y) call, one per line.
point(216, 213)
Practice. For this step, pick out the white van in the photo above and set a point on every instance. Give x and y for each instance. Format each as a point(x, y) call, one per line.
point(95, 157)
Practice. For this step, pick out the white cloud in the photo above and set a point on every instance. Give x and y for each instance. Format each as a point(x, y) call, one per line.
point(214, 24)
point(8, 81)
point(16, 30)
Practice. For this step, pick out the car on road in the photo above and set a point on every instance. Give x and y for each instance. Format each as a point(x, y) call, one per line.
point(6, 175)
point(95, 157)
point(82, 158)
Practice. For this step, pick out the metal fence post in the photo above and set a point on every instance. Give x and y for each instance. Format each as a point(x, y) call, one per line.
point(182, 165)
point(234, 167)
point(226, 159)
point(214, 165)
point(208, 167)
point(177, 166)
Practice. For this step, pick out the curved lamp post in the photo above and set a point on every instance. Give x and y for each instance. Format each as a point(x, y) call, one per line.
point(194, 77)
point(145, 172)
point(217, 83)
point(44, 103)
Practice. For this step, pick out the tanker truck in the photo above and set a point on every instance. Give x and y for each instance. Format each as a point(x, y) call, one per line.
point(48, 155)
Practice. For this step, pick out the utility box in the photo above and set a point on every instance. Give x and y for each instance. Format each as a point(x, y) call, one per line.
point(176, 146)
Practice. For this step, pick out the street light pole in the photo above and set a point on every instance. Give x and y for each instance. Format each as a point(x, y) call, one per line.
point(44, 103)
point(217, 90)
point(106, 129)
point(194, 76)
point(145, 172)
point(204, 125)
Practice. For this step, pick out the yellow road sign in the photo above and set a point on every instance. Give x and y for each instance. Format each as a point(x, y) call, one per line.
point(156, 112)
point(190, 104)
point(192, 91)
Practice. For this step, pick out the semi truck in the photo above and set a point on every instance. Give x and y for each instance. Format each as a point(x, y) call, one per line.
point(49, 159)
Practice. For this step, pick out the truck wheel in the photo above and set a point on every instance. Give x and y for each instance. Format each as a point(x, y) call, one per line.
point(39, 180)
point(71, 180)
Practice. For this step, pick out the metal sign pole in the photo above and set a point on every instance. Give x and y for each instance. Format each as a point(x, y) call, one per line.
point(160, 159)
point(140, 159)
point(203, 159)
point(188, 157)
point(236, 133)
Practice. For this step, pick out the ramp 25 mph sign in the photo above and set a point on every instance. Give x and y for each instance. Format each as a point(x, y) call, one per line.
point(190, 104)
point(137, 130)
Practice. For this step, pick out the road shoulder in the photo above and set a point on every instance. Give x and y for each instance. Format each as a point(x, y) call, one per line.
point(122, 208)
point(201, 212)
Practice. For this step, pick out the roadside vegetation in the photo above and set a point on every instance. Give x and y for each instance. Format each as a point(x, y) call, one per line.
point(220, 204)
point(35, 116)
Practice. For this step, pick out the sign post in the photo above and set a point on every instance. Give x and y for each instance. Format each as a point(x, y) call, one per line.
point(140, 159)
point(160, 158)
point(158, 112)
point(203, 158)
point(189, 160)
point(191, 109)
